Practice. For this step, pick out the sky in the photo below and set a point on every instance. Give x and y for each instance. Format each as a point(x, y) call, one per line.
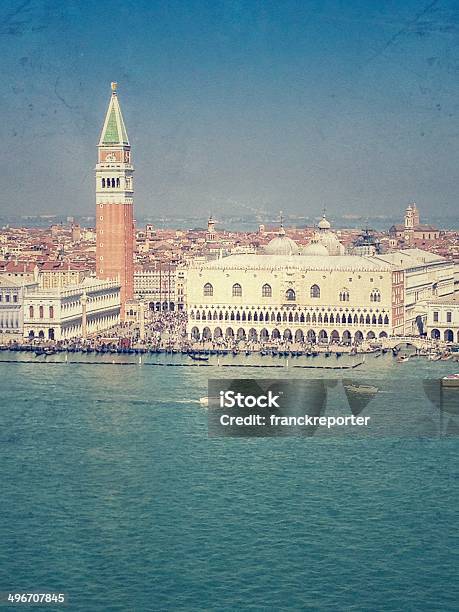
point(233, 107)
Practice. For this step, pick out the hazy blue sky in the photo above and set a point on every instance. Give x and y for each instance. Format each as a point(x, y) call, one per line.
point(233, 105)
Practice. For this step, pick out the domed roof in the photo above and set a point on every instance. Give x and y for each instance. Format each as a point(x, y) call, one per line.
point(315, 248)
point(330, 241)
point(282, 245)
point(324, 224)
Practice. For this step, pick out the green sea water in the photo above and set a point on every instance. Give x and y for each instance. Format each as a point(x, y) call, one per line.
point(113, 493)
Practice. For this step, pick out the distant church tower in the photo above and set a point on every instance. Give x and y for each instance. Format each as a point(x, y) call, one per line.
point(409, 218)
point(114, 202)
point(210, 234)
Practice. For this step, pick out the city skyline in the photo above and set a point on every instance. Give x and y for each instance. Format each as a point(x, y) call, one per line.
point(234, 107)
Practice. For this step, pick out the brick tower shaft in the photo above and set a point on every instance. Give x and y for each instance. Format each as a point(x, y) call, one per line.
point(115, 203)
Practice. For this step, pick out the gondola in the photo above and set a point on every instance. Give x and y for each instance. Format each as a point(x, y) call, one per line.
point(198, 357)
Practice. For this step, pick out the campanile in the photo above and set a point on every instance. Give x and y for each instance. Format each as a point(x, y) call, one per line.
point(115, 202)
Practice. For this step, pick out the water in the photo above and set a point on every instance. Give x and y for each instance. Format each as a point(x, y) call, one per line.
point(113, 493)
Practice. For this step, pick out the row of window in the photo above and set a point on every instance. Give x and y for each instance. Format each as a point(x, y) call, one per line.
point(291, 318)
point(109, 183)
point(449, 317)
point(290, 295)
point(8, 298)
point(7, 324)
point(41, 312)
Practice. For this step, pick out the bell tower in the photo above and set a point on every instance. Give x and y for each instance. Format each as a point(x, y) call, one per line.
point(115, 202)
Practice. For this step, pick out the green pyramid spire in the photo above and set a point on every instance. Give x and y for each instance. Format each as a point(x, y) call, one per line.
point(114, 130)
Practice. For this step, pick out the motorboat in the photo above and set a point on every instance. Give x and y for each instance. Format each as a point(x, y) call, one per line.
point(452, 380)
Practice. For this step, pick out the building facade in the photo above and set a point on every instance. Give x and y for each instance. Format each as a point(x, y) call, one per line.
point(315, 297)
point(301, 298)
point(12, 308)
point(54, 274)
point(114, 202)
point(69, 312)
point(443, 318)
point(160, 286)
point(426, 276)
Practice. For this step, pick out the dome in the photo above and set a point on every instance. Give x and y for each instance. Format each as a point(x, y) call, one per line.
point(282, 245)
point(332, 244)
point(324, 224)
point(315, 248)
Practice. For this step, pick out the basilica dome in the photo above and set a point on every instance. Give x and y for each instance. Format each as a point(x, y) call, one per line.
point(327, 238)
point(324, 224)
point(315, 248)
point(331, 243)
point(282, 245)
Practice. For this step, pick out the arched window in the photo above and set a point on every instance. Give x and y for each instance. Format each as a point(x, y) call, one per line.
point(290, 295)
point(315, 291)
point(31, 312)
point(237, 290)
point(113, 182)
point(344, 295)
point(208, 290)
point(375, 295)
point(41, 313)
point(266, 291)
point(51, 312)
point(103, 182)
point(117, 182)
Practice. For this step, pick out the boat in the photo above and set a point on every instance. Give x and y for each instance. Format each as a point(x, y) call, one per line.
point(452, 380)
point(364, 389)
point(446, 356)
point(402, 358)
point(198, 357)
point(204, 401)
point(47, 350)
